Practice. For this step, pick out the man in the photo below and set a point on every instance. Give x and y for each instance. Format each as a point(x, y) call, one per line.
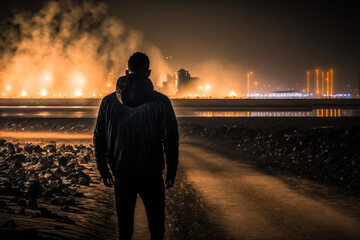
point(136, 125)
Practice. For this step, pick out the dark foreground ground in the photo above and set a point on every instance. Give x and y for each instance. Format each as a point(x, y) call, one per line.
point(301, 177)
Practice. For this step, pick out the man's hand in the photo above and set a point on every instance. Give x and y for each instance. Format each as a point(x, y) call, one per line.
point(169, 182)
point(108, 180)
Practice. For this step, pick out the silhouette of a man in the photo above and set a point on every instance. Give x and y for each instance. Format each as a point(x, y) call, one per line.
point(136, 125)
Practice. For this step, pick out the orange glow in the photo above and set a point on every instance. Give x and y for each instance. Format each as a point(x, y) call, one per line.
point(43, 92)
point(331, 83)
point(78, 93)
point(232, 94)
point(53, 60)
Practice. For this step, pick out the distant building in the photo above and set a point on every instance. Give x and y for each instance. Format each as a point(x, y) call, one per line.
point(183, 81)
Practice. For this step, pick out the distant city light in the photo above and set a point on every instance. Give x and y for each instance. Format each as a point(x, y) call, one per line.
point(43, 92)
point(208, 86)
point(200, 87)
point(232, 94)
point(108, 84)
point(23, 93)
point(8, 87)
point(78, 92)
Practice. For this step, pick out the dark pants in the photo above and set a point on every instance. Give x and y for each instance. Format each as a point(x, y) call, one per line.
point(152, 193)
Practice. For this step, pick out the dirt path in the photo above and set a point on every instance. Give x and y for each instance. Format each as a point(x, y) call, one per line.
point(253, 205)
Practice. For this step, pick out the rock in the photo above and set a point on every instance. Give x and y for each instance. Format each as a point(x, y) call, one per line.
point(44, 163)
point(84, 181)
point(33, 176)
point(50, 148)
point(10, 148)
point(16, 165)
point(86, 158)
point(59, 173)
point(18, 157)
point(63, 161)
point(19, 150)
point(29, 148)
point(72, 164)
point(38, 149)
point(69, 148)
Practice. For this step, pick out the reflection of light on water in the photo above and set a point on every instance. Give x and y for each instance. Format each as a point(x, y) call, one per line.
point(328, 112)
point(44, 135)
point(222, 114)
point(314, 113)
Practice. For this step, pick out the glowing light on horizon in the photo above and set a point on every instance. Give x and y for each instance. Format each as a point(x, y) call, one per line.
point(78, 92)
point(208, 86)
point(8, 87)
point(43, 92)
point(232, 94)
point(23, 93)
point(108, 84)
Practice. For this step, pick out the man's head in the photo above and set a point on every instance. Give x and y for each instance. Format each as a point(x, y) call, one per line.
point(139, 63)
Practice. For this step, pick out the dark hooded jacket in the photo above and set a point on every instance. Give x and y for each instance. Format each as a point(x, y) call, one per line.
point(136, 125)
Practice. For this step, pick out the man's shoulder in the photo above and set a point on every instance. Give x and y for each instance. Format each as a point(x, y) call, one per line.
point(109, 98)
point(161, 97)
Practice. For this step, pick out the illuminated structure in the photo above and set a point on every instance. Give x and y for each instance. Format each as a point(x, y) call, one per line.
point(327, 83)
point(331, 82)
point(317, 82)
point(308, 82)
point(324, 87)
point(322, 83)
point(183, 81)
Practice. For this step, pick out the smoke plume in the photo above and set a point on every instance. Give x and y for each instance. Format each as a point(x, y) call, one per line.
point(69, 49)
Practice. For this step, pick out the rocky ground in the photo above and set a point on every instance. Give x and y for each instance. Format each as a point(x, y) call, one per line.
point(54, 192)
point(47, 184)
point(328, 155)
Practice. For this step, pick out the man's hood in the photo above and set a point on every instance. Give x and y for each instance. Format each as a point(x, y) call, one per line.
point(134, 89)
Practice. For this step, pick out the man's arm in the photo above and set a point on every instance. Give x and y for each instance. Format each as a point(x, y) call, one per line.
point(171, 143)
point(101, 148)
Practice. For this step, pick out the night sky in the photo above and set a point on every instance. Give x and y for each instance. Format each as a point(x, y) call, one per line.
point(278, 40)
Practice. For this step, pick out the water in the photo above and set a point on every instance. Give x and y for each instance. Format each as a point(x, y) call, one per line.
point(91, 112)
